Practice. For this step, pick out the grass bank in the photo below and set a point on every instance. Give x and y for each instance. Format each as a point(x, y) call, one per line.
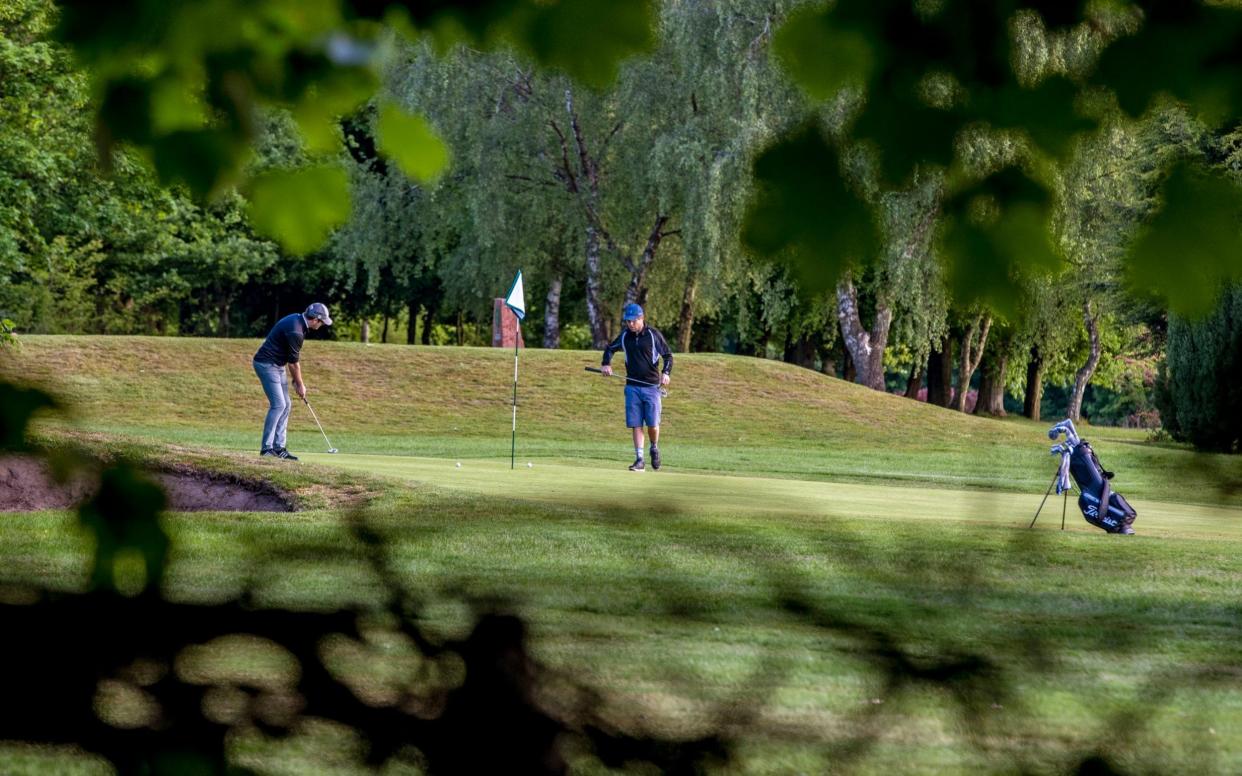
point(725, 414)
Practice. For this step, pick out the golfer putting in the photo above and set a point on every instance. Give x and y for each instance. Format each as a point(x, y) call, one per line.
point(281, 352)
point(643, 347)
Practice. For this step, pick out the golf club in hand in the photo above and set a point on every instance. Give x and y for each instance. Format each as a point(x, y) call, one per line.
point(597, 370)
point(331, 449)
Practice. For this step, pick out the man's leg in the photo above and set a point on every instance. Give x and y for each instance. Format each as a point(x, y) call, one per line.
point(653, 426)
point(270, 377)
point(282, 424)
point(634, 421)
point(638, 464)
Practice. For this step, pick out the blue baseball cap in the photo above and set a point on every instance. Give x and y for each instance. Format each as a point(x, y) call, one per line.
point(319, 310)
point(632, 312)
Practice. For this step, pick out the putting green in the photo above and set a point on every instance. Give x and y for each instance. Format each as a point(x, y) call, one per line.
point(738, 497)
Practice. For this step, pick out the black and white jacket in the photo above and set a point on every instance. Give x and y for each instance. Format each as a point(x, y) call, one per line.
point(642, 351)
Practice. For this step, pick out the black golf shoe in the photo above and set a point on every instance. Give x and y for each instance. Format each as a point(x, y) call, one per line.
point(268, 452)
point(638, 465)
point(655, 457)
point(283, 453)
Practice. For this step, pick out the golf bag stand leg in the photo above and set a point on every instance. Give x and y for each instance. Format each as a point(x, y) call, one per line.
point(1048, 493)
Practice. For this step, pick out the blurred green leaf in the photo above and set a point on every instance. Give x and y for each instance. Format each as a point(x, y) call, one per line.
point(996, 236)
point(1191, 51)
point(300, 208)
point(203, 159)
point(822, 55)
point(124, 516)
point(410, 141)
point(17, 407)
point(907, 133)
point(340, 93)
point(1192, 246)
point(175, 106)
point(99, 31)
point(803, 213)
point(585, 38)
point(125, 112)
point(452, 21)
point(1046, 112)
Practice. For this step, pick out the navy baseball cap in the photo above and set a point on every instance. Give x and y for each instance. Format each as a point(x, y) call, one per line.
point(319, 310)
point(632, 312)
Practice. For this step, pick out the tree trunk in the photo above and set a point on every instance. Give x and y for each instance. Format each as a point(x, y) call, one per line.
point(552, 314)
point(1034, 384)
point(428, 316)
point(461, 329)
point(685, 319)
point(636, 291)
point(411, 334)
point(801, 351)
point(828, 366)
point(970, 356)
point(940, 373)
point(1083, 376)
point(991, 399)
point(866, 348)
point(915, 381)
point(366, 330)
point(384, 331)
point(595, 312)
point(224, 317)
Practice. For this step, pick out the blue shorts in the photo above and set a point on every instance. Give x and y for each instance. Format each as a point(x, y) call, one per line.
point(642, 406)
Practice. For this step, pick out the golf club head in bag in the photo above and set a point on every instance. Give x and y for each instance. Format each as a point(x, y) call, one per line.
point(1100, 505)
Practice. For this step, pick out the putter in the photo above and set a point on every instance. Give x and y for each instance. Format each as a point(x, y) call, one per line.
point(663, 390)
point(331, 449)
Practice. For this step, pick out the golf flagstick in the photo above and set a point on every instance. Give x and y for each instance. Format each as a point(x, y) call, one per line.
point(513, 437)
point(515, 301)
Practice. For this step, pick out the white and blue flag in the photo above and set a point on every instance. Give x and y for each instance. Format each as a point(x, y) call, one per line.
point(516, 300)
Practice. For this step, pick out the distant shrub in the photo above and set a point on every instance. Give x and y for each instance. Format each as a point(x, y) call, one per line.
point(1201, 390)
point(576, 336)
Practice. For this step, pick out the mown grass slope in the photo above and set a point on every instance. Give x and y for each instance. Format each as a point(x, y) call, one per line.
point(817, 623)
point(725, 414)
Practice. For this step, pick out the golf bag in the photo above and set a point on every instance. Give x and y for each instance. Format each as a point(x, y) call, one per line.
point(1093, 481)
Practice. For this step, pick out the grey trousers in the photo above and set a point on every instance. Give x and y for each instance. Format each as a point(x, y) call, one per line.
point(276, 385)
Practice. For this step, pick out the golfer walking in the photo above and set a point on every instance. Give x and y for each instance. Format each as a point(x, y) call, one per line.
point(643, 347)
point(281, 349)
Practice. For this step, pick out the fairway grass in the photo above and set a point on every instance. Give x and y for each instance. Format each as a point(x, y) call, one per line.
point(802, 501)
point(803, 533)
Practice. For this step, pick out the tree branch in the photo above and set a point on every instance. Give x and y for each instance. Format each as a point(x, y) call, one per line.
point(529, 179)
point(608, 139)
point(571, 182)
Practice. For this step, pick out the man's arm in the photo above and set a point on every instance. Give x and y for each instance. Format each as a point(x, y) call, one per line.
point(609, 349)
point(295, 377)
point(667, 354)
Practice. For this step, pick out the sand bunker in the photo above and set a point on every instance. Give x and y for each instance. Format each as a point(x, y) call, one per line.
point(26, 486)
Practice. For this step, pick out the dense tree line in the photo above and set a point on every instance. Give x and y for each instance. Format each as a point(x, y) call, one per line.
point(755, 197)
